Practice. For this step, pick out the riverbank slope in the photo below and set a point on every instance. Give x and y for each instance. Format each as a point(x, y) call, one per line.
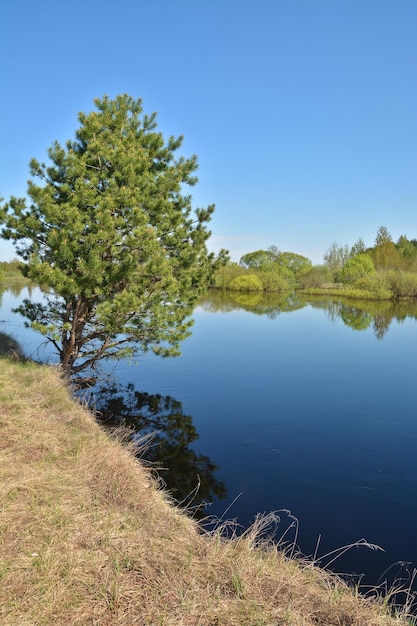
point(88, 537)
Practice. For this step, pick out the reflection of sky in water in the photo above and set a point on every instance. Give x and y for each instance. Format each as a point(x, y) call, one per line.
point(304, 413)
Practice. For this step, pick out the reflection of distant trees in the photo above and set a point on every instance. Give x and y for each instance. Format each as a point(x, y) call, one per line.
point(381, 325)
point(357, 314)
point(170, 433)
point(360, 314)
point(16, 287)
point(355, 318)
point(259, 303)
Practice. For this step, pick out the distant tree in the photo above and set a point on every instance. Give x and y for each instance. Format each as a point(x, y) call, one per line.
point(274, 251)
point(406, 248)
point(287, 264)
point(260, 259)
point(357, 267)
point(402, 284)
point(111, 232)
point(382, 236)
point(272, 281)
point(246, 282)
point(385, 253)
point(296, 263)
point(317, 276)
point(336, 255)
point(357, 248)
point(225, 274)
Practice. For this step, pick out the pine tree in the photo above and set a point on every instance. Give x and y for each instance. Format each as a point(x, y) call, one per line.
point(111, 232)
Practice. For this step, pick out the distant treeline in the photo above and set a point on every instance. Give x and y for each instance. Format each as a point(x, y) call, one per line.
point(11, 270)
point(387, 270)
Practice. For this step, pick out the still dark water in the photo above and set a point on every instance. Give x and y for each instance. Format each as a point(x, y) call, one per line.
point(307, 405)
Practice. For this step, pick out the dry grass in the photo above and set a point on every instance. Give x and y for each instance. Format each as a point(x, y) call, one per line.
point(87, 537)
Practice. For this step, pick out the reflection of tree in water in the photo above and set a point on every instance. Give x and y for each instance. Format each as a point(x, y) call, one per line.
point(381, 325)
point(9, 347)
point(16, 287)
point(170, 434)
point(357, 314)
point(260, 303)
point(355, 318)
point(360, 314)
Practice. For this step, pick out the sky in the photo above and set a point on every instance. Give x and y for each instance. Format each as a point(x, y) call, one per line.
point(303, 113)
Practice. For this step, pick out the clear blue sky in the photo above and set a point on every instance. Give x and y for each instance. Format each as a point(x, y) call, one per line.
point(303, 113)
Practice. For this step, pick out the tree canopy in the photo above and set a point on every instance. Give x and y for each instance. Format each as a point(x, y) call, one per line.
point(336, 256)
point(287, 263)
point(260, 259)
point(111, 231)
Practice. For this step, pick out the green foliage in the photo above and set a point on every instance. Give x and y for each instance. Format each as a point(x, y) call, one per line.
point(402, 284)
point(270, 277)
point(225, 274)
point(272, 281)
point(316, 276)
point(286, 264)
point(376, 285)
point(260, 259)
point(261, 303)
point(406, 247)
point(354, 317)
point(111, 232)
point(246, 282)
point(12, 270)
point(357, 267)
point(295, 263)
point(408, 252)
point(385, 254)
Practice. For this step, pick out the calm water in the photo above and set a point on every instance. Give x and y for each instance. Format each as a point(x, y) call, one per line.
point(304, 405)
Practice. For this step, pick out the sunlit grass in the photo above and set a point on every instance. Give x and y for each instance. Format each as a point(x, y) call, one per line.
point(88, 537)
point(346, 292)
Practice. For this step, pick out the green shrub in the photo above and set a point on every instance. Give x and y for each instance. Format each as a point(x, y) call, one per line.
point(246, 282)
point(284, 272)
point(376, 285)
point(225, 275)
point(355, 268)
point(316, 276)
point(402, 284)
point(272, 281)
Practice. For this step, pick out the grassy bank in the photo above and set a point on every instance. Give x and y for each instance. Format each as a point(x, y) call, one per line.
point(88, 537)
